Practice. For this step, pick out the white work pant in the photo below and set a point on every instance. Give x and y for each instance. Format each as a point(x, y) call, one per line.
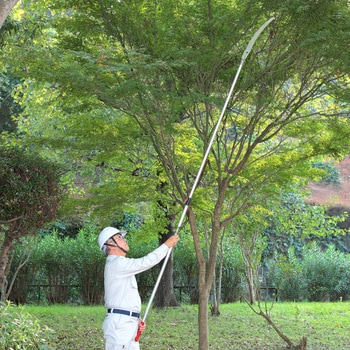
point(120, 332)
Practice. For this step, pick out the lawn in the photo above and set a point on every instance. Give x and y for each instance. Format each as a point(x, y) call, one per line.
point(326, 326)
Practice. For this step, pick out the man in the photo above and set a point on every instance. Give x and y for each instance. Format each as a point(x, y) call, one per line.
point(122, 298)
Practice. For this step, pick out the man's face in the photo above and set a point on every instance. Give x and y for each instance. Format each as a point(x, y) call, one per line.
point(121, 242)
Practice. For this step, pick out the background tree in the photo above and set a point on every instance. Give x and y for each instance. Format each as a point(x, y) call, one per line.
point(292, 222)
point(30, 195)
point(249, 228)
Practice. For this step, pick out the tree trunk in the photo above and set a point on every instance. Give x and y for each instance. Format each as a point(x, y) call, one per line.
point(248, 245)
point(251, 284)
point(5, 249)
point(5, 8)
point(203, 325)
point(206, 271)
point(215, 309)
point(23, 261)
point(165, 296)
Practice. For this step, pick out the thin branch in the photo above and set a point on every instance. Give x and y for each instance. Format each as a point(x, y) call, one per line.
point(11, 220)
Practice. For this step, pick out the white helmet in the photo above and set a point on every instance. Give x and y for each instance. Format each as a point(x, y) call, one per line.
point(106, 234)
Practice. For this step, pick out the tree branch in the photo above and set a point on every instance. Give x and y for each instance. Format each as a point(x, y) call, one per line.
point(11, 220)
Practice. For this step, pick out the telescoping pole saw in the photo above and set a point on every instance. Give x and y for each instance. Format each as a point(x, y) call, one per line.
point(201, 169)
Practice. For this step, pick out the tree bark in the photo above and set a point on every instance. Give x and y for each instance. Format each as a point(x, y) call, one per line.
point(251, 284)
point(247, 248)
point(5, 9)
point(165, 296)
point(4, 252)
point(215, 309)
point(205, 277)
point(203, 325)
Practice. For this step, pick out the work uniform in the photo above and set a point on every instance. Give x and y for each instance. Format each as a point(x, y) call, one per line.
point(122, 298)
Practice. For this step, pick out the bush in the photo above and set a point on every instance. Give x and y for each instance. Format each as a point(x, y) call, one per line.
point(332, 174)
point(285, 273)
point(88, 263)
point(66, 269)
point(327, 273)
point(232, 275)
point(318, 276)
point(30, 196)
point(54, 257)
point(186, 269)
point(22, 269)
point(20, 330)
point(30, 191)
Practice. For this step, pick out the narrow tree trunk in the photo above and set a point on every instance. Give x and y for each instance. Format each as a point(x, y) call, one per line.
point(5, 9)
point(10, 237)
point(247, 248)
point(203, 325)
point(290, 345)
point(250, 281)
point(214, 308)
point(23, 260)
point(5, 249)
point(206, 271)
point(165, 296)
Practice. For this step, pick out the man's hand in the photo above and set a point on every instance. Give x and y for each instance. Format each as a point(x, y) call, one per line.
point(140, 329)
point(172, 241)
point(142, 325)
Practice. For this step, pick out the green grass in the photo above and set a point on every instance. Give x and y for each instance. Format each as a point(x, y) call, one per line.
point(326, 326)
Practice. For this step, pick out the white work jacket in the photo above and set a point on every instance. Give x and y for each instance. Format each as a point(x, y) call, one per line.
point(119, 279)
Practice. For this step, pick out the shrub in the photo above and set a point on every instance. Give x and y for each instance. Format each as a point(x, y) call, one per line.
point(88, 262)
point(30, 196)
point(327, 273)
point(186, 269)
point(318, 276)
point(20, 330)
point(54, 256)
point(22, 270)
point(232, 275)
point(332, 175)
point(285, 273)
point(66, 269)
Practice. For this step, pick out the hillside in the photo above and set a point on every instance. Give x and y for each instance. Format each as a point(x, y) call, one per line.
point(333, 195)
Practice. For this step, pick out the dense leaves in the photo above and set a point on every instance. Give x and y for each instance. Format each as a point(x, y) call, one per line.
point(20, 330)
point(65, 270)
point(319, 275)
point(8, 107)
point(30, 191)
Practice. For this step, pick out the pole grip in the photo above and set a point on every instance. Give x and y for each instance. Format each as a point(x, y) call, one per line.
point(138, 334)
